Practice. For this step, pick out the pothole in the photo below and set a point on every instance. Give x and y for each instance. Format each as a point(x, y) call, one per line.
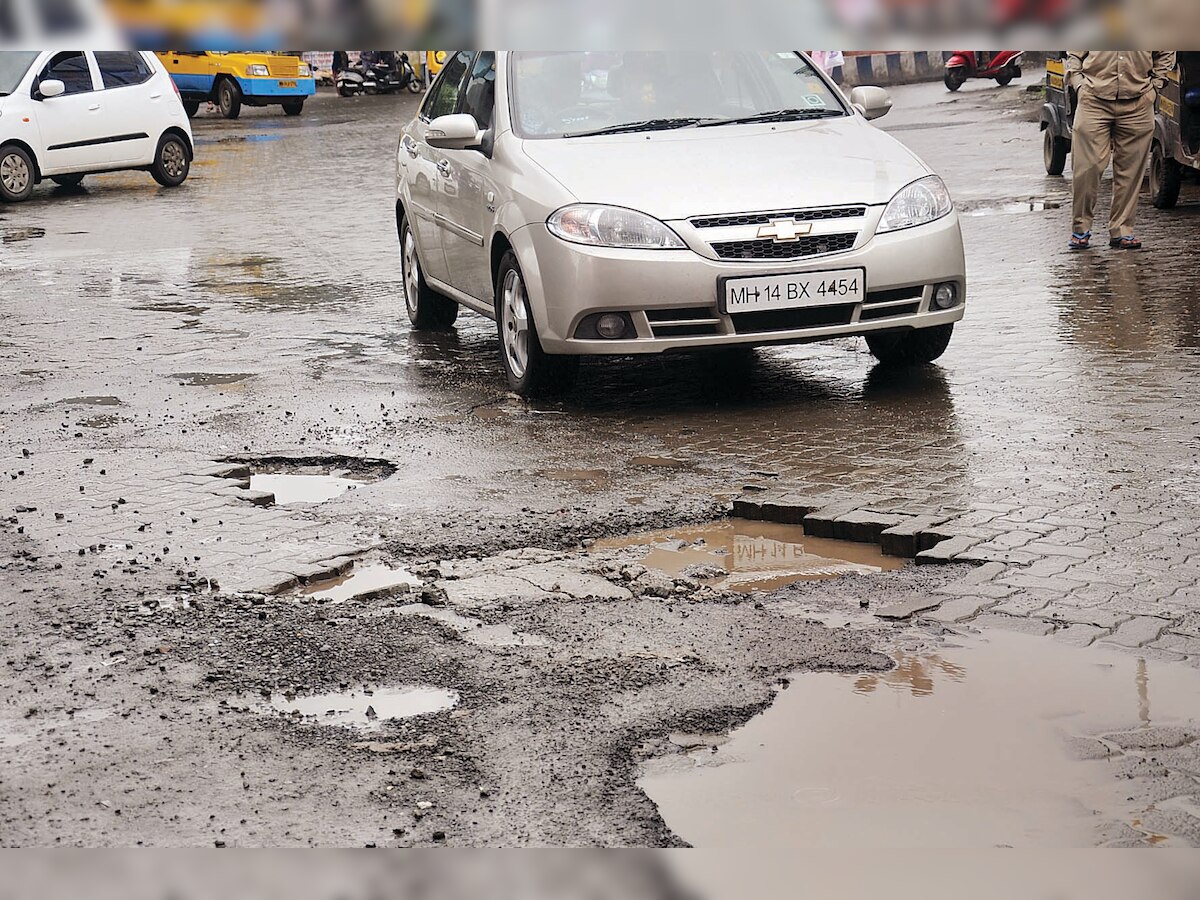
point(472, 630)
point(1013, 741)
point(743, 555)
point(292, 488)
point(366, 709)
point(203, 379)
point(361, 581)
point(311, 479)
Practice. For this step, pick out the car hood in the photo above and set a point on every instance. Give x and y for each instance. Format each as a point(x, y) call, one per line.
point(736, 168)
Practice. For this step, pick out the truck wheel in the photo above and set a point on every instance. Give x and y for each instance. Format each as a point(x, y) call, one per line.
point(172, 162)
point(293, 107)
point(910, 348)
point(530, 370)
point(955, 78)
point(16, 175)
point(191, 107)
point(427, 309)
point(1166, 177)
point(1054, 152)
point(229, 98)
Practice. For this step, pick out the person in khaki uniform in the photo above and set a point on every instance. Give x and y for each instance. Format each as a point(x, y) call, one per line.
point(1114, 119)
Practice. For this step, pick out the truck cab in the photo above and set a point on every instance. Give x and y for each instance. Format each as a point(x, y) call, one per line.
point(234, 80)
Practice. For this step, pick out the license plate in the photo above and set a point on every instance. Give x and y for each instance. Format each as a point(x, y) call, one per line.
point(767, 292)
point(287, 84)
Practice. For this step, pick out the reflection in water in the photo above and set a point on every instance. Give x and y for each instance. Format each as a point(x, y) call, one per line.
point(914, 673)
point(1143, 692)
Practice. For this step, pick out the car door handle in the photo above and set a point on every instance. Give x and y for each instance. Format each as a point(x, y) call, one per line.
point(444, 167)
point(94, 107)
point(155, 96)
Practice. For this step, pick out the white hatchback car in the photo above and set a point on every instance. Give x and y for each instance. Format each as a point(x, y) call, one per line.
point(65, 114)
point(643, 202)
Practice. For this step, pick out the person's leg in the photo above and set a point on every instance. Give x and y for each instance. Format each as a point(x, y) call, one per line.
point(1091, 148)
point(1132, 136)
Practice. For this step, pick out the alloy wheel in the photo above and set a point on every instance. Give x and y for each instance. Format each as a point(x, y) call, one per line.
point(14, 173)
point(516, 324)
point(412, 273)
point(174, 160)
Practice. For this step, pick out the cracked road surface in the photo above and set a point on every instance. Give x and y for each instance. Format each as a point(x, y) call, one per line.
point(161, 349)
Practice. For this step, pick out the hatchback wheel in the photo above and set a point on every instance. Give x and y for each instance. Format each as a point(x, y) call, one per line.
point(531, 371)
point(427, 309)
point(229, 99)
point(16, 175)
point(910, 348)
point(172, 162)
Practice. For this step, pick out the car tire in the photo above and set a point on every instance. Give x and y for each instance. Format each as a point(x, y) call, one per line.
point(530, 370)
point(955, 78)
point(67, 181)
point(191, 107)
point(1166, 178)
point(17, 174)
point(427, 309)
point(229, 98)
point(910, 348)
point(172, 161)
point(1054, 152)
point(293, 107)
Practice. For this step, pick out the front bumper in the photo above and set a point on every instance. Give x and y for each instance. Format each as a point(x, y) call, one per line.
point(671, 296)
point(277, 88)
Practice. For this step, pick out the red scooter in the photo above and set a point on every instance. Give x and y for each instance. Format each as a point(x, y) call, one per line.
point(1003, 65)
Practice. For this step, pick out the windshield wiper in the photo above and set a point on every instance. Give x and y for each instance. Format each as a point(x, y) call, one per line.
point(646, 125)
point(777, 115)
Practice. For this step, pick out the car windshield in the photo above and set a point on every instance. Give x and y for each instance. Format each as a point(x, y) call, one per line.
point(577, 94)
point(13, 66)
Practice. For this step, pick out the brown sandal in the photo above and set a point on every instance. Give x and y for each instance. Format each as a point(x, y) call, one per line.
point(1129, 242)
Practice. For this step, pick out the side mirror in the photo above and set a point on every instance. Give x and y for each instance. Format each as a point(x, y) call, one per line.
point(51, 88)
point(456, 132)
point(872, 102)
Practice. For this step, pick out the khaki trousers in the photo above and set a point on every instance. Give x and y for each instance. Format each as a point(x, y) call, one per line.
point(1116, 130)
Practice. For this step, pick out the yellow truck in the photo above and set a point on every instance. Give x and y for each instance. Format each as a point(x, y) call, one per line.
point(234, 80)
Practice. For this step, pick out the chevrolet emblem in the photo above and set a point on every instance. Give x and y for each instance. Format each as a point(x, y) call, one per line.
point(785, 231)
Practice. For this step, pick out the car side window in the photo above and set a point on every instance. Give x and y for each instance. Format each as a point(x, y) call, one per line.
point(443, 98)
point(480, 93)
point(122, 68)
point(71, 68)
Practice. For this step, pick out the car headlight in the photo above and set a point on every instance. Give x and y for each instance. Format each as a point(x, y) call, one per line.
point(923, 201)
point(612, 226)
point(305, 70)
point(257, 71)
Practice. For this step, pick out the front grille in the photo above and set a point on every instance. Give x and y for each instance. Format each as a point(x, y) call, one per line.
point(768, 249)
point(684, 321)
point(764, 218)
point(792, 319)
point(279, 67)
point(887, 312)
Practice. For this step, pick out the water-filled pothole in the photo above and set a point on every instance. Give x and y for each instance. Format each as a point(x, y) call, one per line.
point(211, 379)
point(359, 581)
point(295, 479)
point(992, 743)
point(366, 708)
point(743, 555)
point(293, 488)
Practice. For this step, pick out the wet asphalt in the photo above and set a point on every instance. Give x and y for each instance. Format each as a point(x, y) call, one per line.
point(256, 315)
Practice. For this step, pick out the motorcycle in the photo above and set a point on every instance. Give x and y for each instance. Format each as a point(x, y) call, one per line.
point(1002, 65)
point(378, 78)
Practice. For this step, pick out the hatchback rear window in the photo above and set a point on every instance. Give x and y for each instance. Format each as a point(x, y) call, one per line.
point(122, 68)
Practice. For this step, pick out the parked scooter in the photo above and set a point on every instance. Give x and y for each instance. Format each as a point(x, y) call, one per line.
point(1002, 65)
point(378, 76)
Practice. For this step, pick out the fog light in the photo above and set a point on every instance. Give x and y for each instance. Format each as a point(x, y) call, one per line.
point(945, 295)
point(610, 326)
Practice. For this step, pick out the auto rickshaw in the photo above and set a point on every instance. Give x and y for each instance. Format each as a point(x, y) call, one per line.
point(1175, 152)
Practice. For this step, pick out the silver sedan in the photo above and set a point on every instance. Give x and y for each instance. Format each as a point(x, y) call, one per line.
point(645, 202)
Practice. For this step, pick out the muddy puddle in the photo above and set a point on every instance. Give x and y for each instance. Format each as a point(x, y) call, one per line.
point(1009, 208)
point(365, 708)
point(211, 379)
point(991, 743)
point(359, 581)
point(301, 488)
point(741, 555)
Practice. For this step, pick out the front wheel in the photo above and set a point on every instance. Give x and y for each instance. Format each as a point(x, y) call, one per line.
point(67, 181)
point(293, 107)
point(229, 99)
point(427, 309)
point(531, 371)
point(910, 348)
point(1166, 178)
point(16, 175)
point(955, 78)
point(172, 162)
point(1054, 152)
